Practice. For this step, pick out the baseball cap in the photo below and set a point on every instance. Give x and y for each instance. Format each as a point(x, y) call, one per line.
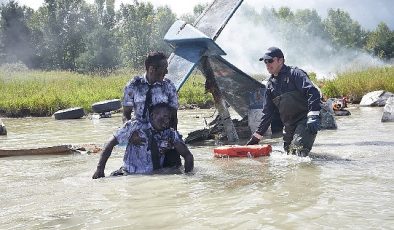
point(271, 53)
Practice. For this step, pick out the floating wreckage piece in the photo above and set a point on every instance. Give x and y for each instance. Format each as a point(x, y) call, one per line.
point(194, 46)
point(52, 150)
point(216, 131)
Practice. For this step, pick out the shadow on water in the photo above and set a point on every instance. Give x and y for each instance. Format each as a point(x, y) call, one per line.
point(361, 143)
point(327, 157)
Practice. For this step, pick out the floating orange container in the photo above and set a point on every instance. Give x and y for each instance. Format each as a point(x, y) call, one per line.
point(242, 151)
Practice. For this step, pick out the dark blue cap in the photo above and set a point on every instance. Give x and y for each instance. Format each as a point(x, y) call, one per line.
point(271, 53)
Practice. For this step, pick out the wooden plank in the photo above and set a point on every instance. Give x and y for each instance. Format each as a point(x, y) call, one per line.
point(52, 150)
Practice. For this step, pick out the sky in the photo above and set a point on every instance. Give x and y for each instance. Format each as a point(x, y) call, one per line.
point(368, 13)
point(178, 6)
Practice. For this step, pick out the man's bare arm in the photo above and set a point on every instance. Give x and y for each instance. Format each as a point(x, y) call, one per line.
point(104, 157)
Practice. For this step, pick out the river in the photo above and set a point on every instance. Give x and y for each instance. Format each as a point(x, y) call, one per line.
point(347, 184)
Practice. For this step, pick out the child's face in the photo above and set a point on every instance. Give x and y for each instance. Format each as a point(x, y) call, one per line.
point(161, 118)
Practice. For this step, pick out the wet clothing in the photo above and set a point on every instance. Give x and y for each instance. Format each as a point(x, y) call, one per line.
point(149, 156)
point(295, 97)
point(138, 93)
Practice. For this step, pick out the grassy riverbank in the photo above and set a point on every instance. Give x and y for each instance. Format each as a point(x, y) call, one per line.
point(38, 93)
point(355, 85)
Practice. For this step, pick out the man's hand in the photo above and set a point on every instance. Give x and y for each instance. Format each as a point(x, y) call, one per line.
point(98, 174)
point(136, 139)
point(254, 140)
point(313, 123)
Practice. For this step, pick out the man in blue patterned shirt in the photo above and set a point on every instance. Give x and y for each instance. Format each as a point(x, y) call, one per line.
point(155, 138)
point(150, 89)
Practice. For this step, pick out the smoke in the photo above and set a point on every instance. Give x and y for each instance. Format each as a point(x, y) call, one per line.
point(368, 13)
point(245, 42)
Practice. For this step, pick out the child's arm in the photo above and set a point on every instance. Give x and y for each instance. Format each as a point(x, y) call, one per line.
point(104, 157)
point(184, 151)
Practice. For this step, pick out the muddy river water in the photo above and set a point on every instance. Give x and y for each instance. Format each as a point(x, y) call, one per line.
point(348, 184)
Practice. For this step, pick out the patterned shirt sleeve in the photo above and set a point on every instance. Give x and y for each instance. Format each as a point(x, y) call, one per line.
point(123, 134)
point(128, 95)
point(172, 95)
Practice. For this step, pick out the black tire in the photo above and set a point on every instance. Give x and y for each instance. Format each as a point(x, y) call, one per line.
point(71, 113)
point(106, 106)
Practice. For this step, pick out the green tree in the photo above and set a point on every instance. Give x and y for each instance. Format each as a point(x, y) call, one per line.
point(15, 36)
point(101, 51)
point(60, 23)
point(380, 42)
point(163, 20)
point(310, 21)
point(197, 11)
point(284, 13)
point(135, 32)
point(342, 30)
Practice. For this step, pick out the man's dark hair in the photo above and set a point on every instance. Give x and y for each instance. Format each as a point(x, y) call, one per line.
point(154, 59)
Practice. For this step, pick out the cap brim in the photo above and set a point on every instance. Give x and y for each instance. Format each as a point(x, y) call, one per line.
point(265, 57)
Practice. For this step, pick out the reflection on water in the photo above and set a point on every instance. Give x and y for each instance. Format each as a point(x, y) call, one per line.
point(347, 184)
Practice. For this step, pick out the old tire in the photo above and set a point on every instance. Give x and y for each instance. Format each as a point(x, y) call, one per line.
point(106, 106)
point(71, 113)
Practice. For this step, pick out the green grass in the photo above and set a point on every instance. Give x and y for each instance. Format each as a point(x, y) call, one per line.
point(193, 92)
point(40, 93)
point(355, 85)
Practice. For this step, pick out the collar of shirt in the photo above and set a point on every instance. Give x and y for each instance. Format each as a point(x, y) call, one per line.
point(144, 80)
point(283, 70)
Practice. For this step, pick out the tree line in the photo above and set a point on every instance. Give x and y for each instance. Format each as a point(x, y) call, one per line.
point(338, 28)
point(78, 36)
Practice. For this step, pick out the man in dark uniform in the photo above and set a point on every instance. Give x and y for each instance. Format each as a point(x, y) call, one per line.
point(290, 90)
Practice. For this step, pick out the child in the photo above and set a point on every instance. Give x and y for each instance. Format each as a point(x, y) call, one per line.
point(147, 143)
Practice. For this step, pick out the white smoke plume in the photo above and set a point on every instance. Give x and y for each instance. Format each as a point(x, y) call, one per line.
point(245, 42)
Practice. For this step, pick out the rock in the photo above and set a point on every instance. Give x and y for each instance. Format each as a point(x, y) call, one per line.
point(388, 111)
point(327, 115)
point(342, 112)
point(375, 98)
point(3, 130)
